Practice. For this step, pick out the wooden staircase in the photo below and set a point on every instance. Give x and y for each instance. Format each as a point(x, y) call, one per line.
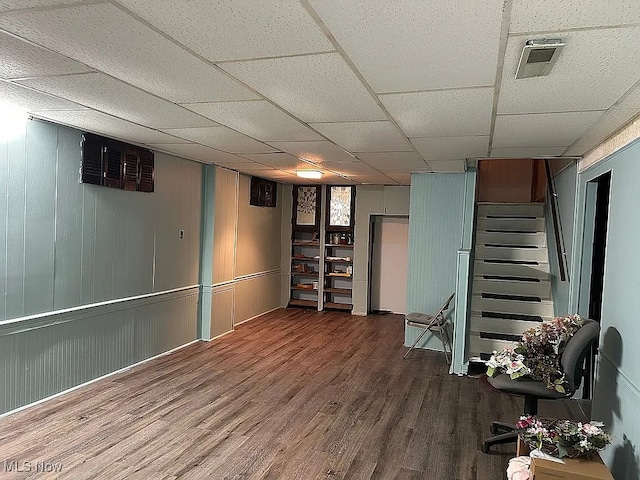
point(511, 287)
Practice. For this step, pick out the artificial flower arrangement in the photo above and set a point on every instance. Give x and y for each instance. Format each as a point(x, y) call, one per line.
point(537, 355)
point(562, 438)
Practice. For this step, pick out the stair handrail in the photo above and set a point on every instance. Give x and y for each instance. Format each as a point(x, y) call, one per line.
point(557, 224)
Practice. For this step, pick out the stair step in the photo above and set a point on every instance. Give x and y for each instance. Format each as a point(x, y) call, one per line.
point(543, 308)
point(510, 209)
point(479, 347)
point(539, 271)
point(540, 289)
point(511, 224)
point(536, 254)
point(500, 325)
point(538, 239)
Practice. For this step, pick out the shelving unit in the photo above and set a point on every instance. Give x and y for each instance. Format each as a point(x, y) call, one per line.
point(305, 268)
point(338, 271)
point(322, 251)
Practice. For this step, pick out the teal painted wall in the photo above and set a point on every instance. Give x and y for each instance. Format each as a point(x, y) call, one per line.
point(565, 185)
point(617, 393)
point(92, 279)
point(436, 218)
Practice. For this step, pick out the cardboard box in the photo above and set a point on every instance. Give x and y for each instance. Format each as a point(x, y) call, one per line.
point(571, 469)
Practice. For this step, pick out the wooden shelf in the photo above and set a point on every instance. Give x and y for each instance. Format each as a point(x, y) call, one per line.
point(339, 245)
point(304, 243)
point(306, 259)
point(338, 275)
point(341, 291)
point(302, 289)
point(305, 274)
point(303, 303)
point(338, 261)
point(338, 306)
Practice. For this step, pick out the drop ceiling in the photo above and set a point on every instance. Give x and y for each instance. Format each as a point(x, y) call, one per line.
point(367, 91)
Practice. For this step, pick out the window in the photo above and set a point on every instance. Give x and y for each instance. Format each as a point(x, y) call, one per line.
point(116, 164)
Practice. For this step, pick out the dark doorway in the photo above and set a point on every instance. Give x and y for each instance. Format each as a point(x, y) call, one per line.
point(603, 190)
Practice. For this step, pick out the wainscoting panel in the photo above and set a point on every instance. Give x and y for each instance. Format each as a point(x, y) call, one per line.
point(42, 356)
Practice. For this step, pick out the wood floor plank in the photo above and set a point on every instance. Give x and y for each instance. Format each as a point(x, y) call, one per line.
point(294, 394)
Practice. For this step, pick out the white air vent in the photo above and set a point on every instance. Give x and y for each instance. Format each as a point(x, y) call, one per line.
point(538, 56)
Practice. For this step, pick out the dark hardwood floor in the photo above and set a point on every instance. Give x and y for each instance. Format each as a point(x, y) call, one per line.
point(295, 394)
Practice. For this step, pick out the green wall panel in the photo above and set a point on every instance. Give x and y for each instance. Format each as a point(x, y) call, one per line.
point(436, 218)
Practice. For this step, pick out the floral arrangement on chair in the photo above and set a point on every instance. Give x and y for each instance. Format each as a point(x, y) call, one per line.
point(537, 355)
point(562, 438)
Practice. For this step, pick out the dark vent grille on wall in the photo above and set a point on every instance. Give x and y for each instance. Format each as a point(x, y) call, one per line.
point(263, 192)
point(116, 164)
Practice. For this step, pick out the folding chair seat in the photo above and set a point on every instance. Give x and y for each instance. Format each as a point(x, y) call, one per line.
point(436, 323)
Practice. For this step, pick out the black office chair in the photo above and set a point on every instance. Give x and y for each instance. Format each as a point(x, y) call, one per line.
point(572, 362)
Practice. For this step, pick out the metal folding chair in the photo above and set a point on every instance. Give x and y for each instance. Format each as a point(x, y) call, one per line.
point(436, 323)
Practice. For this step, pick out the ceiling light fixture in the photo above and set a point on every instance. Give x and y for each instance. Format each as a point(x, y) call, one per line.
point(315, 174)
point(538, 56)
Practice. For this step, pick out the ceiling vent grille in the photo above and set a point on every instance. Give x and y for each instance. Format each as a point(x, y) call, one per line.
point(538, 56)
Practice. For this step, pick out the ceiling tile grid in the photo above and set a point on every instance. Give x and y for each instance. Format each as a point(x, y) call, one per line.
point(31, 100)
point(244, 29)
point(541, 130)
point(451, 148)
point(403, 46)
point(551, 15)
point(314, 88)
point(221, 138)
point(239, 82)
point(103, 124)
point(22, 59)
point(258, 119)
point(594, 69)
point(442, 112)
point(108, 39)
point(118, 99)
point(380, 136)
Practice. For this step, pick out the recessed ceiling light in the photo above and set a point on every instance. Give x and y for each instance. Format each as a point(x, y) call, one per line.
point(316, 174)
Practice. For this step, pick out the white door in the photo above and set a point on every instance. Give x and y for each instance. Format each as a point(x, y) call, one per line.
point(389, 264)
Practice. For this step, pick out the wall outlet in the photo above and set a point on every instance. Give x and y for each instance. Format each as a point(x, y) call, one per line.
point(181, 234)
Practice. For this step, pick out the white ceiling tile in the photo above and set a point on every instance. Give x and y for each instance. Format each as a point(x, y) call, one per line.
point(632, 100)
point(356, 171)
point(394, 161)
point(526, 152)
point(22, 59)
point(314, 88)
point(106, 94)
point(278, 160)
point(422, 46)
point(32, 101)
point(235, 29)
point(451, 148)
point(442, 113)
point(258, 119)
point(6, 5)
point(541, 130)
point(197, 152)
point(104, 124)
point(316, 152)
point(606, 126)
point(455, 166)
point(593, 71)
point(222, 138)
point(545, 15)
point(110, 40)
point(379, 136)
